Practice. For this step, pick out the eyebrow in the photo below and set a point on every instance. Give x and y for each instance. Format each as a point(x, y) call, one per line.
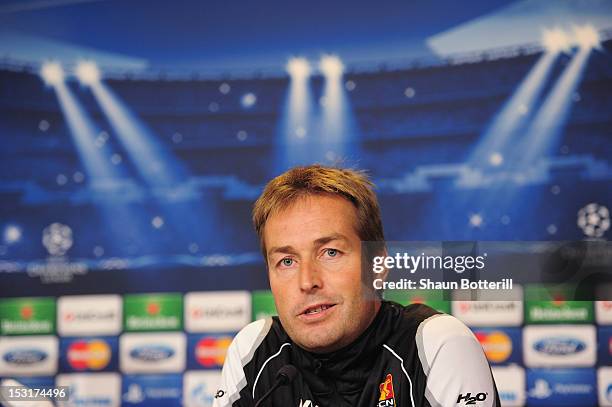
point(318, 242)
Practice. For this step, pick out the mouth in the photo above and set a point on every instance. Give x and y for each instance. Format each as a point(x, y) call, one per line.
point(316, 311)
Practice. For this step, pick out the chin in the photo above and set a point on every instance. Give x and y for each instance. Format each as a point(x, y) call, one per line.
point(319, 344)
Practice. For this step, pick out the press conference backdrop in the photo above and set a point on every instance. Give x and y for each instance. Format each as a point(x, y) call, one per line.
point(168, 348)
point(128, 262)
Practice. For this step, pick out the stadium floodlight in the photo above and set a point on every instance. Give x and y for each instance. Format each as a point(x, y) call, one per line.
point(298, 68)
point(52, 73)
point(87, 72)
point(248, 100)
point(555, 40)
point(586, 36)
point(496, 159)
point(331, 66)
point(546, 128)
point(12, 234)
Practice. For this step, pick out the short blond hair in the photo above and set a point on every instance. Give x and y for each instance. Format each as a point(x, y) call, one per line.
point(298, 182)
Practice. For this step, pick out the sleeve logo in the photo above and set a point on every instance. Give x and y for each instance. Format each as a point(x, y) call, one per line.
point(471, 400)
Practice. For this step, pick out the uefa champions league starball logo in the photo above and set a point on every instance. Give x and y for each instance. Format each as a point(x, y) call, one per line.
point(594, 220)
point(57, 239)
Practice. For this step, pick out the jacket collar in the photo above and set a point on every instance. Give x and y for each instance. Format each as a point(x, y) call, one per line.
point(345, 370)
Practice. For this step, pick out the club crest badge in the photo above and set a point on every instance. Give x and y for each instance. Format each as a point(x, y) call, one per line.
point(387, 396)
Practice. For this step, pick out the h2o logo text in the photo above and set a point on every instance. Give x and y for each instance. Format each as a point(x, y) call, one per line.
point(471, 400)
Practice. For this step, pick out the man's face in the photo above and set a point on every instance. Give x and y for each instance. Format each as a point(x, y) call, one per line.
point(314, 263)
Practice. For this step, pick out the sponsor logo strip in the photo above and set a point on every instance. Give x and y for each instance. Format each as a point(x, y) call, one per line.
point(28, 355)
point(27, 316)
point(561, 387)
point(82, 315)
point(162, 352)
point(217, 311)
point(559, 346)
point(501, 345)
point(153, 312)
point(510, 381)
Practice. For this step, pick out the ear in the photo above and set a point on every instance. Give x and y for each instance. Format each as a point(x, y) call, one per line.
point(372, 275)
point(383, 276)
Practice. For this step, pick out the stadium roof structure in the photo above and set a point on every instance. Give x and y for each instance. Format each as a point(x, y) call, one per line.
point(356, 67)
point(205, 40)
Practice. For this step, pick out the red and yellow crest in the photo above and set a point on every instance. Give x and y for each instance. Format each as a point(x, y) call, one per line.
point(387, 396)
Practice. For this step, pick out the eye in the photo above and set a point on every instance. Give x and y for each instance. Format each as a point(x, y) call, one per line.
point(331, 252)
point(287, 262)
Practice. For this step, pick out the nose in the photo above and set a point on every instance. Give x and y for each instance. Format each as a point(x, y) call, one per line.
point(310, 277)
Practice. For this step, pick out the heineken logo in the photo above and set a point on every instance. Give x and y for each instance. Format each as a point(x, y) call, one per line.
point(153, 312)
point(27, 312)
point(24, 316)
point(558, 300)
point(153, 308)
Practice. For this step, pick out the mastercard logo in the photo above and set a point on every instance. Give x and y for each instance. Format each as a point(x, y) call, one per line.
point(93, 355)
point(497, 345)
point(210, 352)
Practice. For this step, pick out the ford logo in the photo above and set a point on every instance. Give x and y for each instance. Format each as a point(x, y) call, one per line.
point(559, 346)
point(152, 353)
point(24, 356)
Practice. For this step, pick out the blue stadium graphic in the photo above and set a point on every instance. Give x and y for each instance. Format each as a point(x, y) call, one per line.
point(140, 167)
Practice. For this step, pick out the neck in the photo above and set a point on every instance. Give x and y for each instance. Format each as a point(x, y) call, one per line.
point(343, 345)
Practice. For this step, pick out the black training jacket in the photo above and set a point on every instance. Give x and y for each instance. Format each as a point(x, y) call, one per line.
point(409, 356)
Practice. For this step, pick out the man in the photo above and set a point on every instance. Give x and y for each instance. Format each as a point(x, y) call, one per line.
point(350, 348)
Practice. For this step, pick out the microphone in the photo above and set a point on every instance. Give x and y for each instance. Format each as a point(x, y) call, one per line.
point(285, 375)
